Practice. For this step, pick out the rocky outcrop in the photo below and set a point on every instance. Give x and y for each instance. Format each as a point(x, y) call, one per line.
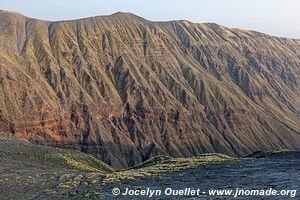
point(125, 89)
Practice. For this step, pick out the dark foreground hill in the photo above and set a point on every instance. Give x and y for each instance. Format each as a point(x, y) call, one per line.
point(125, 89)
point(29, 171)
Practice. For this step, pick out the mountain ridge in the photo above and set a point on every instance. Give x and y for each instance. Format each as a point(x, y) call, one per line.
point(125, 89)
point(130, 14)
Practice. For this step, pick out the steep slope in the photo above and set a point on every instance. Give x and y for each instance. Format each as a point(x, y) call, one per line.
point(125, 89)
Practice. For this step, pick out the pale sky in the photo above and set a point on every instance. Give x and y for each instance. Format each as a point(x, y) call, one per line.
point(275, 17)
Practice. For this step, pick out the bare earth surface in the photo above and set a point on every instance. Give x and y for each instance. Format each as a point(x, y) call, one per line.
point(125, 89)
point(278, 172)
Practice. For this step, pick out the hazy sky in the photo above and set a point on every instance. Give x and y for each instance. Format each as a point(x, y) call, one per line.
point(276, 17)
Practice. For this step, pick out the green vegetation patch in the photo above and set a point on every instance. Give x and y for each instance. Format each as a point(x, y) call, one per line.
point(262, 154)
point(157, 166)
point(54, 157)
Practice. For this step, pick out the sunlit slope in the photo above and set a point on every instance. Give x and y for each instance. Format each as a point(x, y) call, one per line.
point(126, 89)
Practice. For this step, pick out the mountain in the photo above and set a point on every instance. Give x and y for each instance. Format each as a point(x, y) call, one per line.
point(125, 89)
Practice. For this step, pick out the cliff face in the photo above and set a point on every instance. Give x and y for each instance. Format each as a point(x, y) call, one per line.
point(124, 89)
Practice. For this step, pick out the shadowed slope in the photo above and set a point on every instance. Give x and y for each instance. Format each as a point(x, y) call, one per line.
point(18, 153)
